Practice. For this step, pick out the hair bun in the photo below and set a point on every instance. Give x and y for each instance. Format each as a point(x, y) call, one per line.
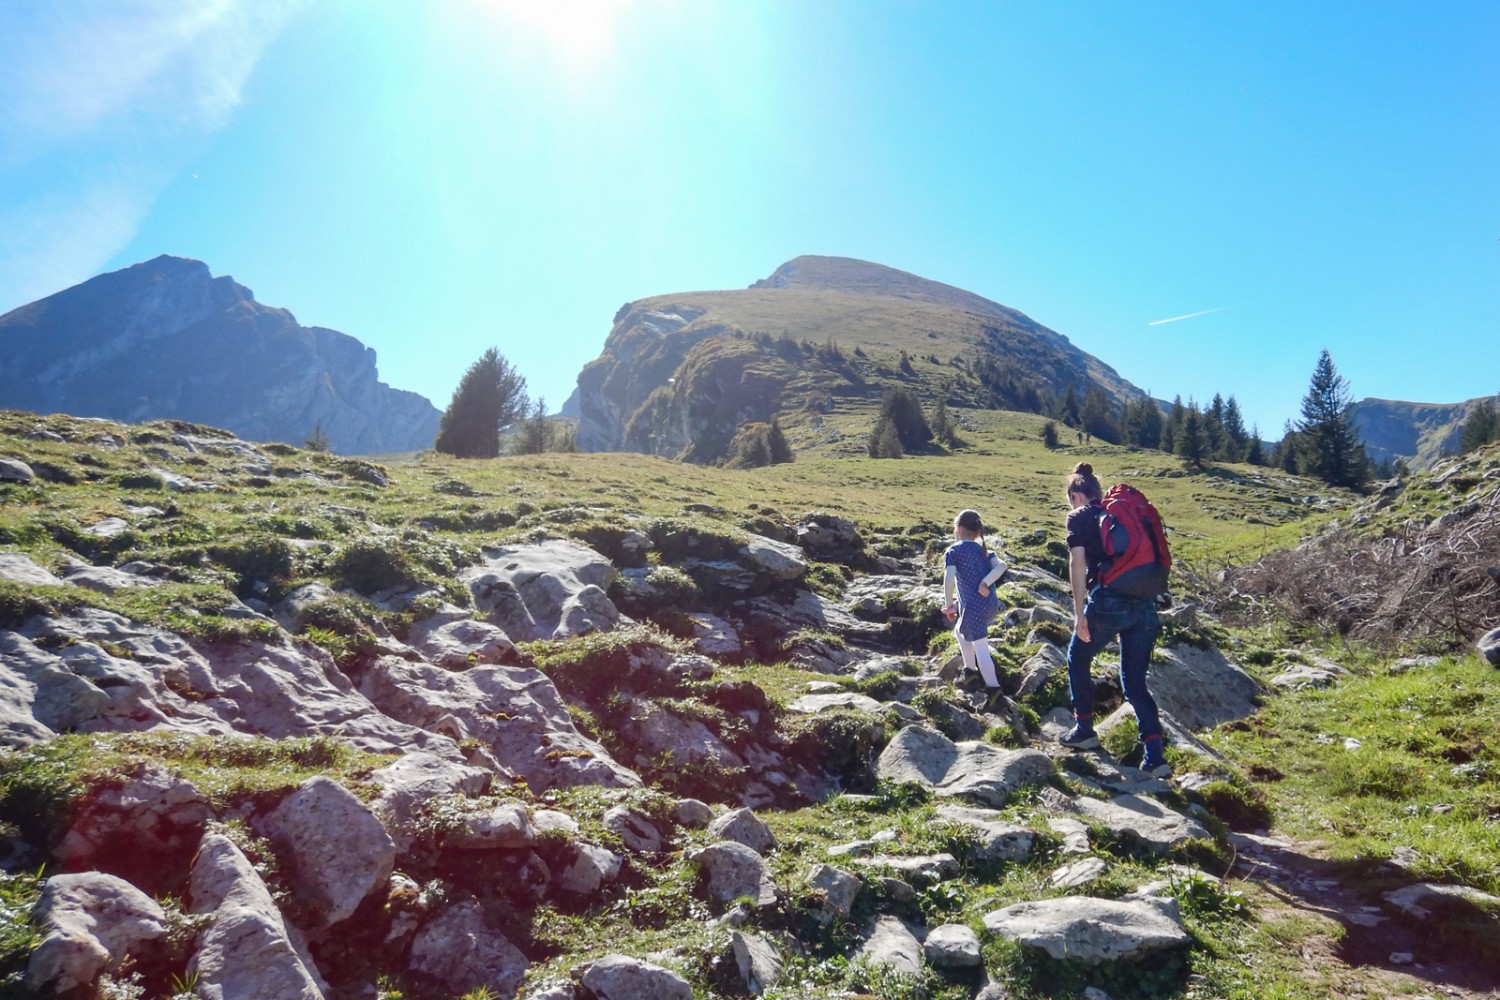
point(1083, 469)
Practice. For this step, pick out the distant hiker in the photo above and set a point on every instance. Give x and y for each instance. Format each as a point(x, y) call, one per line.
point(1088, 437)
point(1101, 612)
point(1080, 437)
point(969, 572)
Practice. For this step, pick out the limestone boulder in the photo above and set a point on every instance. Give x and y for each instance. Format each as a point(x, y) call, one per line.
point(18, 568)
point(635, 831)
point(337, 848)
point(545, 590)
point(413, 781)
point(144, 828)
point(952, 946)
point(620, 977)
point(247, 949)
point(757, 961)
point(998, 840)
point(892, 944)
point(516, 713)
point(1093, 931)
point(13, 470)
point(744, 827)
point(453, 640)
point(464, 953)
point(730, 870)
point(1142, 819)
point(90, 922)
point(589, 869)
point(970, 769)
point(655, 732)
point(1488, 647)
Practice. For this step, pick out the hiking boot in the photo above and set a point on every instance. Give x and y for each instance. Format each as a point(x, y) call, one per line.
point(1079, 738)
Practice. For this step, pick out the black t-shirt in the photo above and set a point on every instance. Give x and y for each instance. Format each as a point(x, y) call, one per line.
point(1083, 532)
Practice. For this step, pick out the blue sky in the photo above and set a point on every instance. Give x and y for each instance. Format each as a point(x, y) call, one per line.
point(442, 177)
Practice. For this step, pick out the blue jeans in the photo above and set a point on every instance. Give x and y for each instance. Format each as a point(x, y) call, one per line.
point(1134, 620)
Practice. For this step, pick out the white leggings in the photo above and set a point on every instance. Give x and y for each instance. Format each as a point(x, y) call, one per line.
point(978, 650)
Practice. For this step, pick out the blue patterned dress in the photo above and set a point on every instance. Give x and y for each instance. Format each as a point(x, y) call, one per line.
point(972, 561)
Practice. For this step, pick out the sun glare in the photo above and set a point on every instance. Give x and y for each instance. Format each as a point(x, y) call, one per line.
point(577, 32)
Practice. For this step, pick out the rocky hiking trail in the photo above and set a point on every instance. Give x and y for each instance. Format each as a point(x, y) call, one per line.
point(1388, 946)
point(546, 758)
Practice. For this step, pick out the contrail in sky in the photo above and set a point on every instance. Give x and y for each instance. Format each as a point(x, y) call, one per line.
point(1174, 319)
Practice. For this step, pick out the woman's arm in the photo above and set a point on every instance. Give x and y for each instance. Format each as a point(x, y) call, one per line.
point(1078, 574)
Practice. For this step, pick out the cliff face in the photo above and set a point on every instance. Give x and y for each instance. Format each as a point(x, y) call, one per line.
point(166, 339)
point(680, 372)
point(1420, 433)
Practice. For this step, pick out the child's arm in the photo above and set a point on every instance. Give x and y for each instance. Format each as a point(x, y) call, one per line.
point(950, 585)
point(997, 570)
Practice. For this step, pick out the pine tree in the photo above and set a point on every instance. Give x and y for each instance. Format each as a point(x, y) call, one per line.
point(1255, 452)
point(1238, 441)
point(941, 422)
point(1192, 437)
point(536, 431)
point(318, 439)
point(490, 396)
point(1330, 447)
point(776, 442)
point(885, 440)
point(904, 411)
point(1172, 426)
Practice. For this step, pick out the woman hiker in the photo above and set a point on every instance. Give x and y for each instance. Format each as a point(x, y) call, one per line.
point(1101, 614)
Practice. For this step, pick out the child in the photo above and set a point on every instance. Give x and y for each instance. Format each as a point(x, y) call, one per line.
point(968, 574)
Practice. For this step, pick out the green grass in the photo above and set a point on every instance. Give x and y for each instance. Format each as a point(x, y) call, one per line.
point(1423, 770)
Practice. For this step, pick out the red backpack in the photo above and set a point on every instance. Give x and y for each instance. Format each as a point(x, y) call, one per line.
point(1137, 559)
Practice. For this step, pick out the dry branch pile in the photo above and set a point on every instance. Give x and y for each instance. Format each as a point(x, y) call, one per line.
point(1424, 580)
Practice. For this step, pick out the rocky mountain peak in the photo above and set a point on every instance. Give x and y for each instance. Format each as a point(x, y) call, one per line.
point(166, 339)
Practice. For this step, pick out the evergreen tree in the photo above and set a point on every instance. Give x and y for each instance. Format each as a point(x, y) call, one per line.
point(1172, 425)
point(536, 431)
point(1238, 441)
point(490, 396)
point(1049, 434)
point(1330, 447)
point(1213, 429)
point(1068, 413)
point(903, 411)
point(885, 440)
point(1255, 452)
point(1192, 437)
point(942, 422)
point(776, 442)
point(1096, 415)
point(317, 440)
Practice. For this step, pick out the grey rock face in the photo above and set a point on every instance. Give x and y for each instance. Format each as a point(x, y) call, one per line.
point(692, 814)
point(39, 695)
point(812, 704)
point(730, 870)
point(1489, 646)
point(892, 944)
point(998, 839)
point(338, 849)
point(20, 569)
point(635, 831)
point(13, 470)
point(150, 816)
point(1091, 930)
point(592, 867)
point(165, 682)
point(248, 949)
point(774, 559)
point(516, 713)
point(91, 922)
point(1147, 820)
point(165, 339)
point(744, 827)
point(839, 889)
point(758, 961)
point(619, 977)
point(507, 825)
point(464, 953)
point(654, 730)
point(414, 780)
point(461, 642)
point(952, 946)
point(547, 590)
point(973, 770)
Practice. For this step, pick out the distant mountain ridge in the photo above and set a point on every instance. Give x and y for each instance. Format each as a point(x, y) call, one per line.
point(680, 372)
point(1418, 433)
point(166, 339)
